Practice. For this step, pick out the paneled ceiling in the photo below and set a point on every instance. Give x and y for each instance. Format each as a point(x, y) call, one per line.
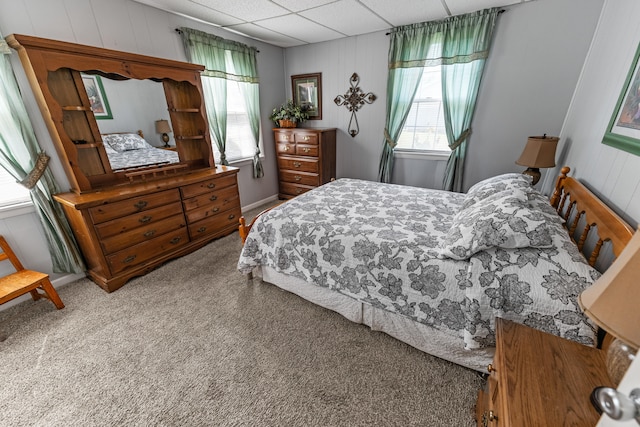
point(288, 23)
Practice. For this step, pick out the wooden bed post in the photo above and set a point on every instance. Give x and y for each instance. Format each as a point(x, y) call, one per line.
point(555, 198)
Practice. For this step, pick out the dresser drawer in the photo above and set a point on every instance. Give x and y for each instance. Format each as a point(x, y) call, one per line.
point(215, 224)
point(122, 208)
point(140, 219)
point(303, 178)
point(285, 148)
point(307, 150)
point(306, 138)
point(298, 164)
point(293, 189)
point(141, 234)
point(214, 208)
point(208, 185)
point(212, 199)
point(148, 250)
point(284, 136)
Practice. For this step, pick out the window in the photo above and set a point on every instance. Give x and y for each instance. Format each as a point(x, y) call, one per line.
point(424, 129)
point(240, 142)
point(12, 193)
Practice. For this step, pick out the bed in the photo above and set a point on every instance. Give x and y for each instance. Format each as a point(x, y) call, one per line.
point(128, 150)
point(433, 268)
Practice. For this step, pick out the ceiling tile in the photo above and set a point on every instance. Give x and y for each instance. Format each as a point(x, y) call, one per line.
point(403, 12)
point(266, 35)
point(299, 5)
point(204, 14)
point(348, 17)
point(300, 28)
point(246, 10)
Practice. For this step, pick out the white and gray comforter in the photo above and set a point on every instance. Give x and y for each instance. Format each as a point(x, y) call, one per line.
point(385, 245)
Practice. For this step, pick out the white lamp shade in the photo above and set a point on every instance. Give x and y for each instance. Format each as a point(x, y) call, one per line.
point(613, 301)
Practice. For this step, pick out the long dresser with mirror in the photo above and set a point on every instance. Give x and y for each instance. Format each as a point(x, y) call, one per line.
point(129, 220)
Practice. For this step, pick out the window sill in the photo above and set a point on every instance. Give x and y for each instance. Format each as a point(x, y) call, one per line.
point(17, 209)
point(421, 155)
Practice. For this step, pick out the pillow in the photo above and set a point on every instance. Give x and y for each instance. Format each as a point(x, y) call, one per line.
point(496, 184)
point(108, 147)
point(125, 141)
point(504, 220)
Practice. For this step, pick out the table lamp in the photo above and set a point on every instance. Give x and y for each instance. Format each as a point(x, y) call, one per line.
point(613, 303)
point(162, 126)
point(540, 152)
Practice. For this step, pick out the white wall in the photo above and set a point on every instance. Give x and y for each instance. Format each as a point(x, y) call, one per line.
point(537, 54)
point(609, 172)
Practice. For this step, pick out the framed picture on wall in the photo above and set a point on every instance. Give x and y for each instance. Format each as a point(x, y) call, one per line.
point(97, 97)
point(623, 131)
point(307, 91)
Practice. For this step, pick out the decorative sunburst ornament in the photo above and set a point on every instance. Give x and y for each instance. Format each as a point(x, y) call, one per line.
point(353, 100)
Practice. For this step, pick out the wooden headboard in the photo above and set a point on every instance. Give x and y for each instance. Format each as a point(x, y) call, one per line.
point(586, 214)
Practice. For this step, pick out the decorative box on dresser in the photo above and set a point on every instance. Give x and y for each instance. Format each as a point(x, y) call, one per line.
point(306, 159)
point(538, 379)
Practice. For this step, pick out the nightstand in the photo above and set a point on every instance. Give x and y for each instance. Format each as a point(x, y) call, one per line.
point(539, 379)
point(170, 148)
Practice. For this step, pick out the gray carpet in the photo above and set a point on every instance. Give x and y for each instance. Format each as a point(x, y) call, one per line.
point(194, 344)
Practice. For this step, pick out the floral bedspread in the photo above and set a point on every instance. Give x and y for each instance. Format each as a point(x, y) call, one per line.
point(379, 243)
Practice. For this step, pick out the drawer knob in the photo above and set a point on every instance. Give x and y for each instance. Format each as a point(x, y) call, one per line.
point(213, 198)
point(175, 240)
point(202, 229)
point(232, 216)
point(128, 259)
point(492, 416)
point(145, 219)
point(149, 233)
point(211, 185)
point(298, 191)
point(297, 177)
point(297, 164)
point(490, 368)
point(214, 210)
point(306, 149)
point(141, 204)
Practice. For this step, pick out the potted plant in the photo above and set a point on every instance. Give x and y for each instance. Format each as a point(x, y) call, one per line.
point(288, 115)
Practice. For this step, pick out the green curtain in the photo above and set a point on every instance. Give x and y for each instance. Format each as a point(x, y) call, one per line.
point(465, 49)
point(226, 60)
point(430, 44)
point(19, 152)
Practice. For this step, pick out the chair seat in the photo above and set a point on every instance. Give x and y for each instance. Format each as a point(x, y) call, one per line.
point(18, 283)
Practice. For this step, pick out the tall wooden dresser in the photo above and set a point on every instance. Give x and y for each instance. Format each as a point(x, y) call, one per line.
point(306, 159)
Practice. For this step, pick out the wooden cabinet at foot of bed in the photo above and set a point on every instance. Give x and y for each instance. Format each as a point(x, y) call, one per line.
point(306, 159)
point(127, 231)
point(539, 379)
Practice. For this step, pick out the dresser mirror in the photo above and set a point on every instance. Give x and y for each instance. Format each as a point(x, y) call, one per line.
point(55, 70)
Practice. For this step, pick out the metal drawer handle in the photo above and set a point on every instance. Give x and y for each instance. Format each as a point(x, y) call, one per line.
point(211, 185)
point(286, 148)
point(490, 368)
point(297, 177)
point(306, 138)
point(149, 233)
point(306, 150)
point(213, 198)
point(175, 240)
point(141, 204)
point(492, 416)
point(128, 259)
point(299, 191)
point(202, 229)
point(214, 210)
point(297, 164)
point(231, 216)
point(145, 219)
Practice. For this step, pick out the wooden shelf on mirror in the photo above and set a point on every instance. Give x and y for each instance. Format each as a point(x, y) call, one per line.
point(75, 108)
point(184, 137)
point(184, 110)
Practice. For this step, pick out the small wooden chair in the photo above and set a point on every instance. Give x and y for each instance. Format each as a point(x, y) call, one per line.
point(23, 281)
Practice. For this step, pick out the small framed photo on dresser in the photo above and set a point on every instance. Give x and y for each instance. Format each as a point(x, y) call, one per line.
point(307, 91)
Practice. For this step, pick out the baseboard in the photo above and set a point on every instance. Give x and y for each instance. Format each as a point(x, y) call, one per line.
point(60, 281)
point(260, 203)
